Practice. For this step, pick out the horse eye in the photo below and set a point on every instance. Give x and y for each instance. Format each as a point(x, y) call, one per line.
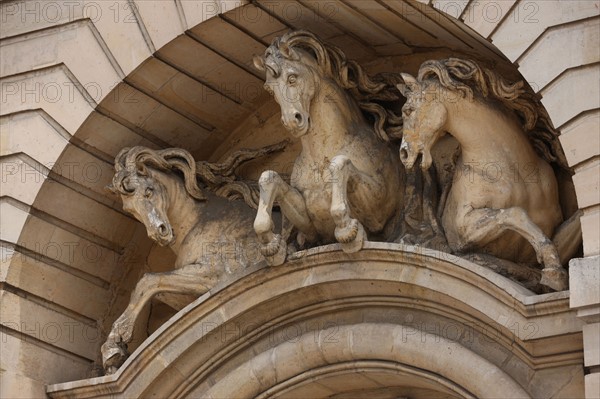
point(408, 111)
point(292, 79)
point(149, 192)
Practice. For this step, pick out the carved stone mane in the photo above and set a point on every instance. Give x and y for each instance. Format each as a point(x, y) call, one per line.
point(134, 161)
point(332, 62)
point(219, 178)
point(465, 76)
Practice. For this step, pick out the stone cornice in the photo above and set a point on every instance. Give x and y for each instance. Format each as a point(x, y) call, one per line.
point(422, 285)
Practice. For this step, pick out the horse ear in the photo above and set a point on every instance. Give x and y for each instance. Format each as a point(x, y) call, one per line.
point(409, 86)
point(259, 63)
point(288, 52)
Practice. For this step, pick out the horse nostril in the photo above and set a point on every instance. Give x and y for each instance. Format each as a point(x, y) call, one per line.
point(403, 154)
point(162, 230)
point(298, 118)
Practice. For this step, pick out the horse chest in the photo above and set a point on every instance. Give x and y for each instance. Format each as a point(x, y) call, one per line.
point(318, 203)
point(315, 187)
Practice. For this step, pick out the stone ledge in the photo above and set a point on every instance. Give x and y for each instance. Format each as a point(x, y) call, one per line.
point(324, 280)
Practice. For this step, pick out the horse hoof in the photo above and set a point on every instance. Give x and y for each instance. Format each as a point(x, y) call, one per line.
point(555, 278)
point(348, 233)
point(275, 252)
point(113, 356)
point(356, 244)
point(272, 247)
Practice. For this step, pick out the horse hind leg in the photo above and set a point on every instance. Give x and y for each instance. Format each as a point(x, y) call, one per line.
point(485, 225)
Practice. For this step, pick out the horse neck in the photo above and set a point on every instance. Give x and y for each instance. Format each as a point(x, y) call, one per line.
point(482, 130)
point(334, 114)
point(184, 211)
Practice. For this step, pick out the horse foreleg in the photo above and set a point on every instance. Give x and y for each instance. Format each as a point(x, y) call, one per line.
point(488, 224)
point(349, 231)
point(272, 187)
point(187, 280)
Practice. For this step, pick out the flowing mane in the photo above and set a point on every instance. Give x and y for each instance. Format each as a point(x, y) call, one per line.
point(464, 76)
point(219, 178)
point(368, 91)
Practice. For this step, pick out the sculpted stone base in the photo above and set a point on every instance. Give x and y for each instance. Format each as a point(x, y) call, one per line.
point(388, 320)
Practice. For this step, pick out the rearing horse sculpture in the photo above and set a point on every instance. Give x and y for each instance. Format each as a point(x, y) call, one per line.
point(211, 235)
point(347, 179)
point(503, 193)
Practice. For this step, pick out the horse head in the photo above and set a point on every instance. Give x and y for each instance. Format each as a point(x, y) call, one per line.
point(292, 77)
point(300, 69)
point(148, 202)
point(424, 115)
point(140, 180)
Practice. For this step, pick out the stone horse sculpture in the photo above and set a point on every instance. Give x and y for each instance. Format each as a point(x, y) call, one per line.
point(503, 193)
point(211, 235)
point(347, 179)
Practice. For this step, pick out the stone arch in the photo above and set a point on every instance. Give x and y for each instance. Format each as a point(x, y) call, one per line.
point(411, 310)
point(394, 374)
point(40, 144)
point(286, 364)
point(423, 358)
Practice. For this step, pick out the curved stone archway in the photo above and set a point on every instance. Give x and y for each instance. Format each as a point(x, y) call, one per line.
point(365, 341)
point(425, 310)
point(366, 379)
point(57, 150)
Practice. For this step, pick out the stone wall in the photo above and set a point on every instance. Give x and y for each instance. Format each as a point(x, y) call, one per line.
point(68, 72)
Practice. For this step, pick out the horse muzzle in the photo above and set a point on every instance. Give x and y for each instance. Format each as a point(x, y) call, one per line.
point(162, 234)
point(407, 156)
point(297, 123)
